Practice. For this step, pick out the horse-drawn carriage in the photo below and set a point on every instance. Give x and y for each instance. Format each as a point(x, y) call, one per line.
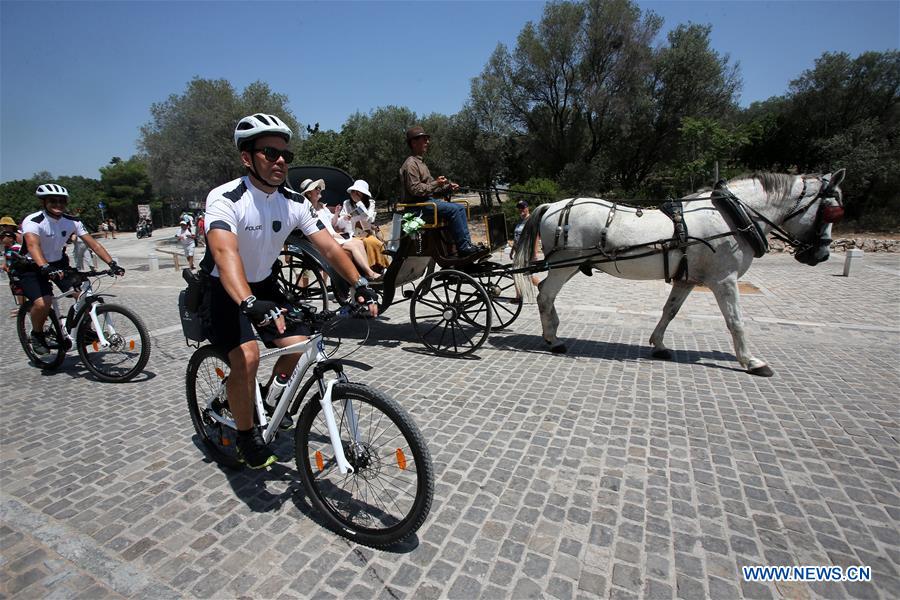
point(454, 303)
point(706, 238)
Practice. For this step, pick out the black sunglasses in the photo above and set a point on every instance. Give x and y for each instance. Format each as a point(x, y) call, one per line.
point(57, 199)
point(272, 154)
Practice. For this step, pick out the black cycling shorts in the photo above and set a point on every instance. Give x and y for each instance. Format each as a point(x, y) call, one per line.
point(36, 285)
point(228, 328)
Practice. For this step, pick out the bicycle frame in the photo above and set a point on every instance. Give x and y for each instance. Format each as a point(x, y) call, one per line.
point(86, 301)
point(313, 353)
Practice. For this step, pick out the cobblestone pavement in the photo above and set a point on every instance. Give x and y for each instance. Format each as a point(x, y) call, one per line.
point(600, 473)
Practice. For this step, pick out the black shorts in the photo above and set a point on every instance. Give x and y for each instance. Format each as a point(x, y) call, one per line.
point(227, 328)
point(35, 285)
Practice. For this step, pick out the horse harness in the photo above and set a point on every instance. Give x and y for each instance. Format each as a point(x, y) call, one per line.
point(748, 228)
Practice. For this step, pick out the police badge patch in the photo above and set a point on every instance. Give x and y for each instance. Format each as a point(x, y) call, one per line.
point(276, 226)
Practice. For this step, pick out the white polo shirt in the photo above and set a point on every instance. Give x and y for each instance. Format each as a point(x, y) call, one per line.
point(53, 233)
point(262, 222)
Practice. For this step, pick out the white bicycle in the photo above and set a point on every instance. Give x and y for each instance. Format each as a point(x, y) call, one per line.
point(112, 340)
point(362, 460)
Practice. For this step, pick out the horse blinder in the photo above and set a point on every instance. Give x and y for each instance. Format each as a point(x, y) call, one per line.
point(832, 214)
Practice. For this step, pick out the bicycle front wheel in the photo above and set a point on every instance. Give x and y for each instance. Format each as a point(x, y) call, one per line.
point(128, 350)
point(388, 495)
point(56, 341)
point(207, 401)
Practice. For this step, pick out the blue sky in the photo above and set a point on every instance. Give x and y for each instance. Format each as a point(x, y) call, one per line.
point(77, 78)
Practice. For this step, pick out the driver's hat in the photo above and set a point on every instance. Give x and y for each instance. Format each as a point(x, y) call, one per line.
point(415, 132)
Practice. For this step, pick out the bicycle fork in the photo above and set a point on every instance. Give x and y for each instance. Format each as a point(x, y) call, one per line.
point(328, 412)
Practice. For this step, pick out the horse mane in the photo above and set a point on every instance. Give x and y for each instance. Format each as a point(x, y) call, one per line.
point(774, 184)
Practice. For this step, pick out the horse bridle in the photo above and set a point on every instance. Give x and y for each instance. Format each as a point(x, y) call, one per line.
point(833, 216)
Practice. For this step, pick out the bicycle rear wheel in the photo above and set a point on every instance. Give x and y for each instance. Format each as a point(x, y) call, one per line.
point(207, 401)
point(388, 496)
point(56, 341)
point(129, 344)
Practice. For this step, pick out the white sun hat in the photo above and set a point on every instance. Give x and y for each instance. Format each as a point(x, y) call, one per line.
point(360, 186)
point(309, 185)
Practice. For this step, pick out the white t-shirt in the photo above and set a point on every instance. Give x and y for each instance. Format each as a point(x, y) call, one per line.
point(340, 235)
point(360, 215)
point(185, 237)
point(262, 222)
point(53, 233)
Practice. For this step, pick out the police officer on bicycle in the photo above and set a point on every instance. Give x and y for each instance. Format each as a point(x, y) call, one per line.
point(247, 222)
point(45, 234)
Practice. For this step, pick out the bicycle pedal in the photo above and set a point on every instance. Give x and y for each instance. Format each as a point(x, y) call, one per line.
point(408, 294)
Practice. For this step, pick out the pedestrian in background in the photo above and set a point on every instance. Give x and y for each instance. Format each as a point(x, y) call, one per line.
point(186, 237)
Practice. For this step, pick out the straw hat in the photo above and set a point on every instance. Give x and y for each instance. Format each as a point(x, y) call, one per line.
point(309, 185)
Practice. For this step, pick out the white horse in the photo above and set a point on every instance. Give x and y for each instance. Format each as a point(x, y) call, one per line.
point(627, 242)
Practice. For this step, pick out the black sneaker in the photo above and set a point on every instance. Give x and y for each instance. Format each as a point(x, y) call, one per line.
point(253, 451)
point(39, 343)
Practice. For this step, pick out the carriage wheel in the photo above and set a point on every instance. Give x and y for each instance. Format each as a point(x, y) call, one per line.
point(451, 313)
point(300, 276)
point(505, 299)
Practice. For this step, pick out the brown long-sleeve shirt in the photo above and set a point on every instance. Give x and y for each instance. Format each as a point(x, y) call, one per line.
point(416, 182)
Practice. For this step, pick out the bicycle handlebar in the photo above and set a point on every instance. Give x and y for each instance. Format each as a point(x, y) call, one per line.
point(92, 273)
point(306, 314)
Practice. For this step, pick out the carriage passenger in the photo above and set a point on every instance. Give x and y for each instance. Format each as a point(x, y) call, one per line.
point(338, 227)
point(359, 211)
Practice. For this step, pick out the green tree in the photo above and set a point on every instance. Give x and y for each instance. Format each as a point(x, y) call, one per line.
point(126, 184)
point(188, 143)
point(688, 79)
point(844, 112)
point(376, 147)
point(323, 148)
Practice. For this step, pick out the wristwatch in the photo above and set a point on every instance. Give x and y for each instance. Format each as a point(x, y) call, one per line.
point(361, 282)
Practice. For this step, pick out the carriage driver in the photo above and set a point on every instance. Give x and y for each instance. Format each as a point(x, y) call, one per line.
point(417, 185)
point(45, 234)
point(247, 222)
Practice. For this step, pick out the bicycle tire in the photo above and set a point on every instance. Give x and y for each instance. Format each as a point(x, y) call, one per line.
point(53, 334)
point(205, 388)
point(312, 444)
point(122, 345)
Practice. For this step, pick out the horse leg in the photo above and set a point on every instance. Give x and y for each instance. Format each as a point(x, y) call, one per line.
point(679, 293)
point(549, 288)
point(728, 297)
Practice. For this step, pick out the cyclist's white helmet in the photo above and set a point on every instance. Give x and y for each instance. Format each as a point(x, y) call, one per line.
point(51, 189)
point(259, 124)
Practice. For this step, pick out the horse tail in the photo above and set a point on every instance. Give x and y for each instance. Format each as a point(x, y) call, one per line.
point(524, 251)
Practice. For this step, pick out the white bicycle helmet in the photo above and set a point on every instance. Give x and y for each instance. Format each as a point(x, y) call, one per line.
point(51, 189)
point(259, 124)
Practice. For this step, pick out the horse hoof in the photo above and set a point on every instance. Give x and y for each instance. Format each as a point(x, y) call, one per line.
point(763, 371)
point(558, 349)
point(664, 354)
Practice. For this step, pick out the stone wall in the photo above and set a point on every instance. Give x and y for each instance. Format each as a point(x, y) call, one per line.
point(843, 244)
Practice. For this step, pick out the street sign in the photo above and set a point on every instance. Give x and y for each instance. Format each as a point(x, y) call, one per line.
point(101, 206)
point(143, 210)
